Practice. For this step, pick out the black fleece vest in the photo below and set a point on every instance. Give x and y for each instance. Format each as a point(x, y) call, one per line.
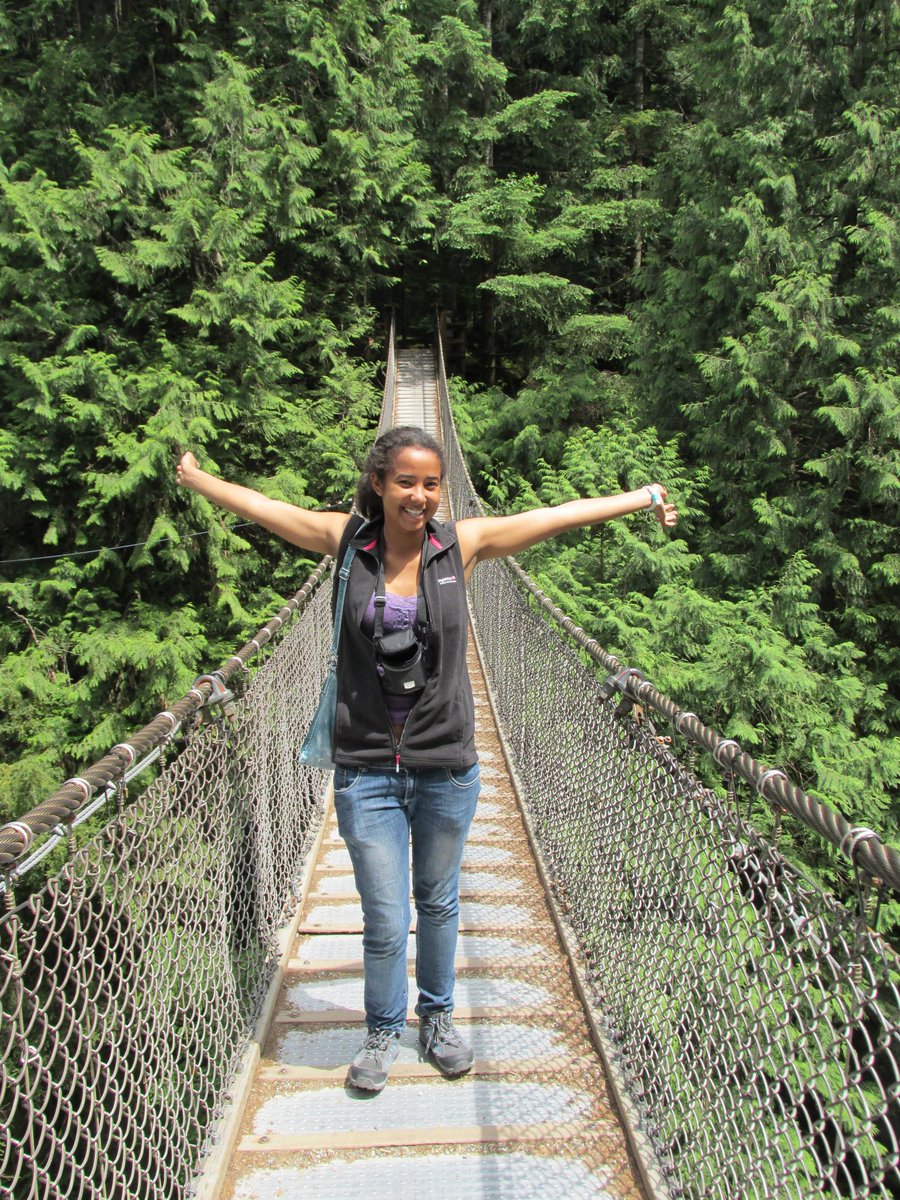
point(440, 730)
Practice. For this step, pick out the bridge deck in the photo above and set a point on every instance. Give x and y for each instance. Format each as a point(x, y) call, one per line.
point(531, 1119)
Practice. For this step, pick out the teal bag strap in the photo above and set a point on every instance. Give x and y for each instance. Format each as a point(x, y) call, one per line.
point(344, 575)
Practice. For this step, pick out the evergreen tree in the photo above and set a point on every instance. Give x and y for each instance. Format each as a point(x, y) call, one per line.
point(198, 207)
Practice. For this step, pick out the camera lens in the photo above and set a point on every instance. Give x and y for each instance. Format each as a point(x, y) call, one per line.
point(401, 659)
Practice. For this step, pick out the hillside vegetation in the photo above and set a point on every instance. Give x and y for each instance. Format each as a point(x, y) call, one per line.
point(666, 235)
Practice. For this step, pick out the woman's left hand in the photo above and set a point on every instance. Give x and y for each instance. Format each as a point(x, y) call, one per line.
point(666, 514)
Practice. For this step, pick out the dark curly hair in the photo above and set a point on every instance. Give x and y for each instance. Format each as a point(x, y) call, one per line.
point(379, 460)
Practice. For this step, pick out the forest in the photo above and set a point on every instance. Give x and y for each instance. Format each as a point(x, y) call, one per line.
point(665, 237)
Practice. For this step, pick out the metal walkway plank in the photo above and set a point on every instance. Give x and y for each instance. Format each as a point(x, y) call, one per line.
point(515, 1176)
point(492, 1041)
point(471, 883)
point(472, 915)
point(428, 1111)
point(342, 952)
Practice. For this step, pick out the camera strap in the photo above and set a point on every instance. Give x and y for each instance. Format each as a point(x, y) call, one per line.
point(381, 597)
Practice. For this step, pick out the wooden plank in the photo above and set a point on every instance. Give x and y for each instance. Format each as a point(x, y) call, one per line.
point(425, 1070)
point(370, 1139)
point(461, 1012)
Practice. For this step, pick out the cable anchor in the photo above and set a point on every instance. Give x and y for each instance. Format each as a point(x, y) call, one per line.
point(618, 682)
point(219, 695)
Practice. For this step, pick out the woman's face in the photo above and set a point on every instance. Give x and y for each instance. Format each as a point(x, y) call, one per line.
point(410, 489)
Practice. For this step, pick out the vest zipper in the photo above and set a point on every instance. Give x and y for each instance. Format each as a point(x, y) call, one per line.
point(397, 742)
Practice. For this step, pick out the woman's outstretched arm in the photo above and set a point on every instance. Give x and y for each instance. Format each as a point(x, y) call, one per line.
point(319, 532)
point(495, 537)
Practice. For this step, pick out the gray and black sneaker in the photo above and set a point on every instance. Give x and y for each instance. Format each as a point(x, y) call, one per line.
point(369, 1070)
point(442, 1040)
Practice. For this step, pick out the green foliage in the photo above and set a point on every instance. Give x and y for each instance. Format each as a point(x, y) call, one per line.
point(769, 332)
point(190, 259)
point(666, 233)
point(667, 236)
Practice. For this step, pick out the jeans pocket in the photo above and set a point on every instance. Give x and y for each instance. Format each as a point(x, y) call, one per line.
point(345, 778)
point(465, 778)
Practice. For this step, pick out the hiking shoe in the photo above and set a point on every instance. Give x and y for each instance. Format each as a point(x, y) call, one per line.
point(369, 1070)
point(443, 1042)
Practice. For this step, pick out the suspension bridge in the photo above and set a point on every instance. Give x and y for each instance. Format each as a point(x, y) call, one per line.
point(660, 1004)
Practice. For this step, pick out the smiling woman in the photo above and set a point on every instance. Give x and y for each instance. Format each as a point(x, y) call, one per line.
point(401, 485)
point(404, 734)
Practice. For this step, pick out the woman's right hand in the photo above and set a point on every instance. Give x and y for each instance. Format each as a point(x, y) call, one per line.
point(187, 465)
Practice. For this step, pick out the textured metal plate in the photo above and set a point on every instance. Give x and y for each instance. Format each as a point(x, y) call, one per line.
point(336, 1046)
point(485, 881)
point(488, 808)
point(337, 858)
point(470, 881)
point(481, 830)
point(322, 995)
point(435, 1176)
point(345, 947)
point(420, 1105)
point(484, 825)
point(472, 915)
point(336, 885)
point(488, 790)
point(485, 856)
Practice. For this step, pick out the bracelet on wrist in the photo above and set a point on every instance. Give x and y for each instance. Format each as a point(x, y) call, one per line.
point(655, 495)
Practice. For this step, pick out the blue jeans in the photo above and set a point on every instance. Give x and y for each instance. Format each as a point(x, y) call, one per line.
point(378, 810)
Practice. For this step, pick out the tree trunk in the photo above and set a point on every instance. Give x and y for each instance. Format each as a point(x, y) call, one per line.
point(487, 19)
point(639, 78)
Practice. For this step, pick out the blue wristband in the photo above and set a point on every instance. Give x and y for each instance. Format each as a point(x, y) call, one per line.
point(655, 497)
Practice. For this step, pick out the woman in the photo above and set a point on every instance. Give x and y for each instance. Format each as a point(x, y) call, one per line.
point(404, 749)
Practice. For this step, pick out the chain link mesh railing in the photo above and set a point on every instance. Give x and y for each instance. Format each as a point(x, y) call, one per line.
point(131, 982)
point(751, 1018)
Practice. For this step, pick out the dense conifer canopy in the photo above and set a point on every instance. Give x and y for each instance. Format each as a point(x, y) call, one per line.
point(665, 232)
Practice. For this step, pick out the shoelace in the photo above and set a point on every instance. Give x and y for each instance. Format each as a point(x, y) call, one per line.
point(377, 1042)
point(441, 1030)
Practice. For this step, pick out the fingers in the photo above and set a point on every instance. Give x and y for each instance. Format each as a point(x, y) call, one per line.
point(667, 515)
point(186, 464)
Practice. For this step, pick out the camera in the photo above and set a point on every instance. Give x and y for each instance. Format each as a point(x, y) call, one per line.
point(401, 656)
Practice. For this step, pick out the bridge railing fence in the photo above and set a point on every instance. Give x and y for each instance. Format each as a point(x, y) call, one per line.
point(132, 979)
point(130, 982)
point(750, 1017)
